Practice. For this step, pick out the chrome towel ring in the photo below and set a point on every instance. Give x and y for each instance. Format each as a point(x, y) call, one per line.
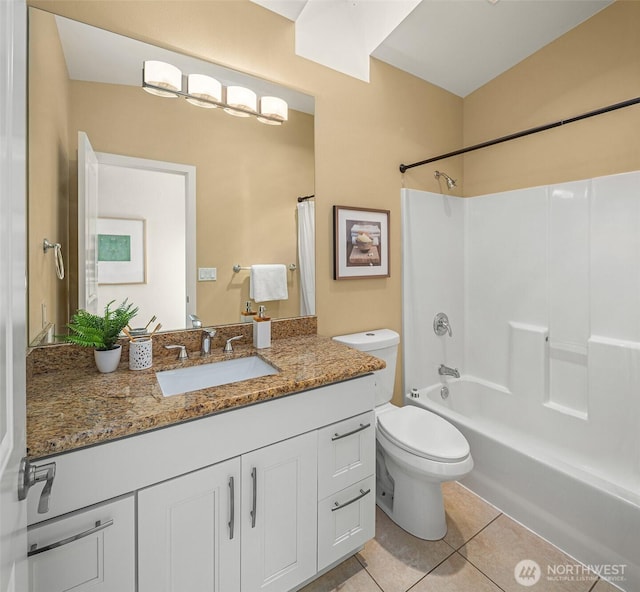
point(57, 252)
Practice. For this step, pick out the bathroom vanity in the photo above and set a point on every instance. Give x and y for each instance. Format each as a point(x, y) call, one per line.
point(264, 495)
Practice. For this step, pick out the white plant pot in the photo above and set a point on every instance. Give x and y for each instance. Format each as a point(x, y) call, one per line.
point(108, 360)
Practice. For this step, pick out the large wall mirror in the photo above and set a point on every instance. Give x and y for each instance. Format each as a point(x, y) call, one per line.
point(243, 179)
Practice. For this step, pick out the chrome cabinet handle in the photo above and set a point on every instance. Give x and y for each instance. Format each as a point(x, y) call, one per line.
point(362, 427)
point(254, 478)
point(338, 506)
point(30, 474)
point(232, 507)
point(98, 527)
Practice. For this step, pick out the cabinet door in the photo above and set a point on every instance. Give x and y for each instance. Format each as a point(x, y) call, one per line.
point(346, 521)
point(346, 453)
point(189, 532)
point(279, 515)
point(91, 550)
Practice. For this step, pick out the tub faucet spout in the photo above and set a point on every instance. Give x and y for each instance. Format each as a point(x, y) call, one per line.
point(446, 371)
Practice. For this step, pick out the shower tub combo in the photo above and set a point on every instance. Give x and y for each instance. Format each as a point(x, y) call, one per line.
point(539, 288)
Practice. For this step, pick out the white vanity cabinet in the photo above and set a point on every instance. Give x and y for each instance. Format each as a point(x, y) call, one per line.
point(192, 530)
point(91, 550)
point(189, 532)
point(346, 487)
point(279, 521)
point(260, 498)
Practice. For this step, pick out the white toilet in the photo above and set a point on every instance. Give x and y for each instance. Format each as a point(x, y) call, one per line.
point(416, 450)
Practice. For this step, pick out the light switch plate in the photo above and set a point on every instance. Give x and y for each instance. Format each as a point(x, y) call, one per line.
point(207, 274)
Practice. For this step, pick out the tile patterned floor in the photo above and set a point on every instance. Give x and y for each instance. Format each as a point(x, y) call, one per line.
point(478, 554)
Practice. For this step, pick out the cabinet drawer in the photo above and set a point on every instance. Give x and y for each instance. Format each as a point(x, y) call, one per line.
point(92, 549)
point(346, 453)
point(346, 521)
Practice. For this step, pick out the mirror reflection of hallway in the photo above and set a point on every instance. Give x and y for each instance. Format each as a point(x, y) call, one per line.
point(149, 206)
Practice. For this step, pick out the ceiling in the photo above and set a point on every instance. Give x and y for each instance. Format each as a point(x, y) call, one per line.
point(458, 45)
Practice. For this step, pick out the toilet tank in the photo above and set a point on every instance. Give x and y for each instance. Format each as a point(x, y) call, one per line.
point(383, 344)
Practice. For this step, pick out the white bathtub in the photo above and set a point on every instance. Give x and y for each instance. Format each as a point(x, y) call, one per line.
point(546, 471)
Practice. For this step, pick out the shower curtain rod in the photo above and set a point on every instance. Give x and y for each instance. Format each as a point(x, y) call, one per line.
point(306, 197)
point(528, 132)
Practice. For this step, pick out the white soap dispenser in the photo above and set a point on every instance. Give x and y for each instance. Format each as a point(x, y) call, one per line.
point(261, 329)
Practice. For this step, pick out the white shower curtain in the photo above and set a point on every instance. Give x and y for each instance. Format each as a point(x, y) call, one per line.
point(307, 256)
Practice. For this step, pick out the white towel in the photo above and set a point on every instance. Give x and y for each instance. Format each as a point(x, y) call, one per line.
point(268, 282)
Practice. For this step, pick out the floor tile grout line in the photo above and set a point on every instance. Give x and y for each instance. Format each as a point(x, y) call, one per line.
point(483, 574)
point(481, 530)
point(368, 572)
point(471, 562)
point(453, 552)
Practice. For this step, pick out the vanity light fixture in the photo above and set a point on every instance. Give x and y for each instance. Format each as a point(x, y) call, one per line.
point(241, 101)
point(204, 87)
point(161, 79)
point(165, 80)
point(273, 110)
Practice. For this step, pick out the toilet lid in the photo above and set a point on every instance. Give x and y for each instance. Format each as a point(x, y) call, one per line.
point(424, 433)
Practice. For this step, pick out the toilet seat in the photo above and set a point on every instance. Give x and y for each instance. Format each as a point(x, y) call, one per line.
point(424, 434)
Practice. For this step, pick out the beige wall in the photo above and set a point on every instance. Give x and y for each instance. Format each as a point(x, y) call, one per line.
point(48, 175)
point(363, 131)
point(592, 66)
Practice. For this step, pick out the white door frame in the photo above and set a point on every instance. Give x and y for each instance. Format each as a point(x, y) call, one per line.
point(13, 327)
point(189, 174)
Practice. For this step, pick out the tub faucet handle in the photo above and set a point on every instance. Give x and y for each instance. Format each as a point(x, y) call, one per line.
point(441, 324)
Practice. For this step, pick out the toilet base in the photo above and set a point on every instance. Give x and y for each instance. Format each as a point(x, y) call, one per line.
point(417, 505)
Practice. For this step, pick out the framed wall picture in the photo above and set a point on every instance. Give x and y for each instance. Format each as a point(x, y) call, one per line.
point(121, 251)
point(361, 243)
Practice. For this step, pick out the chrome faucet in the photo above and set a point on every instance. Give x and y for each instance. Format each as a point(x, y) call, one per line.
point(446, 371)
point(182, 354)
point(205, 341)
point(228, 348)
point(196, 323)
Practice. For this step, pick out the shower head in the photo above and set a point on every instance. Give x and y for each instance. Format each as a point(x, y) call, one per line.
point(451, 183)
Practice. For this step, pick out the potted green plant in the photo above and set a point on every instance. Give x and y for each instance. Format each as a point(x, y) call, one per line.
point(102, 333)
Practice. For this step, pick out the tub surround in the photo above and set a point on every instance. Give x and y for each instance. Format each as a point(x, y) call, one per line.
point(540, 287)
point(70, 405)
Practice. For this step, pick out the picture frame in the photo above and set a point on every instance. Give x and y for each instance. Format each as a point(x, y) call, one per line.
point(121, 251)
point(361, 243)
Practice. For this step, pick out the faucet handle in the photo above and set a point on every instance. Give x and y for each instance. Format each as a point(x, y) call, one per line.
point(182, 355)
point(441, 324)
point(228, 348)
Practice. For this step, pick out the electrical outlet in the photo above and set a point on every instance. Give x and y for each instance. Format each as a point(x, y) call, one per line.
point(207, 274)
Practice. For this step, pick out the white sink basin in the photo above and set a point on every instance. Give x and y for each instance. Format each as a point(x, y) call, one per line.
point(193, 378)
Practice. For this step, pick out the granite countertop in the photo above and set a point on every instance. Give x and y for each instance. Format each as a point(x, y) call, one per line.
point(72, 408)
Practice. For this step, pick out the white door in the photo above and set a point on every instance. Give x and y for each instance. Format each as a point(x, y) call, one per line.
point(279, 514)
point(87, 224)
point(13, 331)
point(189, 532)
